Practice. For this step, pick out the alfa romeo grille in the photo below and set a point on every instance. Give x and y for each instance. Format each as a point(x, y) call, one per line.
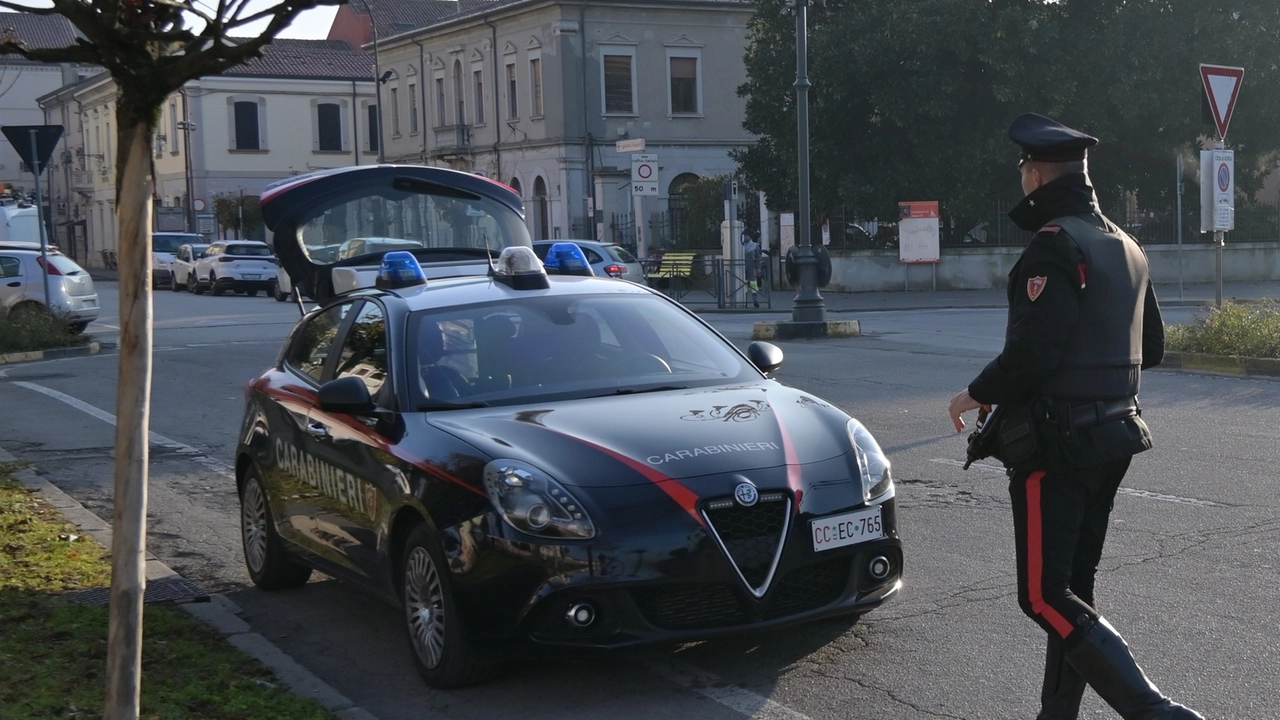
point(751, 537)
point(696, 606)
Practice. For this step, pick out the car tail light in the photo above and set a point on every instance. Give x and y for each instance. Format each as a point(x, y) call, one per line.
point(615, 270)
point(224, 258)
point(50, 267)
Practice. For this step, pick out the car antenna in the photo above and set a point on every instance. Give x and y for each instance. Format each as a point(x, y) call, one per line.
point(489, 254)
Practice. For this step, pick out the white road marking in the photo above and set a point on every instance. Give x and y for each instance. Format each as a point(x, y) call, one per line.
point(1122, 491)
point(757, 707)
point(156, 439)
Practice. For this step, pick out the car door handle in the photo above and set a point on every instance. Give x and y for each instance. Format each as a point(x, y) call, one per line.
point(16, 283)
point(318, 431)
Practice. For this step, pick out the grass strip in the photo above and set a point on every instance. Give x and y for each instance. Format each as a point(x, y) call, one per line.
point(53, 652)
point(1236, 329)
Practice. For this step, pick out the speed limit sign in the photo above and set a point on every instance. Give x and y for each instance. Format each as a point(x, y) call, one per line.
point(644, 174)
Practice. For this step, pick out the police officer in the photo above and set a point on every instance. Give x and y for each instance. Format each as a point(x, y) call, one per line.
point(1083, 322)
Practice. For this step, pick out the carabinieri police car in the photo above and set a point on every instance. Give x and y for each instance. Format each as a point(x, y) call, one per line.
point(521, 454)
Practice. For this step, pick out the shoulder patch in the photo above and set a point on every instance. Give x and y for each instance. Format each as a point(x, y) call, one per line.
point(1051, 229)
point(1035, 286)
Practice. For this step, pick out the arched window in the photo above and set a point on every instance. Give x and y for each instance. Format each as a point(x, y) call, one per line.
point(515, 185)
point(542, 221)
point(679, 182)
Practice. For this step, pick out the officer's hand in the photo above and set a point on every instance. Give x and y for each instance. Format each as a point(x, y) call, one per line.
point(961, 404)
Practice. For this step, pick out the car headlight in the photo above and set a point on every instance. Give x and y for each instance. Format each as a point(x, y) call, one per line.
point(533, 503)
point(872, 462)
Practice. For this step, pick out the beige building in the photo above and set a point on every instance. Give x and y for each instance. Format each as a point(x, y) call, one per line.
point(536, 93)
point(305, 105)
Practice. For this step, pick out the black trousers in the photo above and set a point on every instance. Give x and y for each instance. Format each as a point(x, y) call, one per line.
point(1060, 518)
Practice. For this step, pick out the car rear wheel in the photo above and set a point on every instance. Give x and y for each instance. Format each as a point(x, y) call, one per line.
point(77, 328)
point(194, 284)
point(280, 297)
point(441, 653)
point(213, 285)
point(269, 563)
point(251, 293)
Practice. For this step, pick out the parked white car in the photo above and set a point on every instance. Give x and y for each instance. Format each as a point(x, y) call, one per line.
point(606, 259)
point(184, 264)
point(242, 266)
point(164, 250)
point(71, 290)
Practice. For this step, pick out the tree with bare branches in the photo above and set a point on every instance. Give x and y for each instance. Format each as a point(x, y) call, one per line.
point(151, 48)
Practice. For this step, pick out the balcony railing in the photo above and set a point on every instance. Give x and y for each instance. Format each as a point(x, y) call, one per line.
point(452, 139)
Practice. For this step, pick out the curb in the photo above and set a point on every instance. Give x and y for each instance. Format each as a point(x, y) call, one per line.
point(1220, 364)
point(219, 613)
point(92, 348)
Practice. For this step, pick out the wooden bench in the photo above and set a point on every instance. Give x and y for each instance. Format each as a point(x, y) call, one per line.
point(672, 265)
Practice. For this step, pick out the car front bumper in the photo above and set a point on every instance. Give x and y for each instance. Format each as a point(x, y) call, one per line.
point(671, 586)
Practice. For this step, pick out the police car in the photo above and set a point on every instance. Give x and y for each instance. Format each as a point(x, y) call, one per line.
point(519, 454)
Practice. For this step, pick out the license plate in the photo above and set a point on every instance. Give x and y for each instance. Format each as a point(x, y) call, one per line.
point(847, 529)
point(90, 303)
point(251, 276)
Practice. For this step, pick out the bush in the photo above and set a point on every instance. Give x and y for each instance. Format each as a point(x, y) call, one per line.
point(25, 329)
point(1251, 330)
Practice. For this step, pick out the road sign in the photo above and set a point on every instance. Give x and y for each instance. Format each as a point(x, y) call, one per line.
point(1217, 190)
point(46, 139)
point(644, 174)
point(630, 146)
point(918, 232)
point(1222, 84)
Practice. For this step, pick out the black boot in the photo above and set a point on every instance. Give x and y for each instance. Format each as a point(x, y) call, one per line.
point(1102, 657)
point(1063, 686)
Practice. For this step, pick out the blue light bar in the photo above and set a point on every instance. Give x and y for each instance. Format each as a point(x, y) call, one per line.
point(400, 269)
point(567, 259)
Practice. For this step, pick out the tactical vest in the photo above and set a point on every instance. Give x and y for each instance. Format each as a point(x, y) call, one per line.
point(1103, 357)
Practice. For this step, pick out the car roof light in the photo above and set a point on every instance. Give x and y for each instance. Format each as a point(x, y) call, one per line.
point(400, 269)
point(568, 259)
point(519, 269)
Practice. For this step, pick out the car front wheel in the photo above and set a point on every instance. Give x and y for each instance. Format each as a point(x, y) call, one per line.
point(441, 653)
point(269, 563)
point(213, 285)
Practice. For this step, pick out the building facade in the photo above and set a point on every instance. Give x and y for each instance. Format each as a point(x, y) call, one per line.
point(535, 93)
point(305, 105)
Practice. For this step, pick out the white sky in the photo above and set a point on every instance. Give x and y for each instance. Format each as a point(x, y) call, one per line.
point(312, 24)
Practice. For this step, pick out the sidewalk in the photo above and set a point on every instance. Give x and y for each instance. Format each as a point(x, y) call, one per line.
point(844, 302)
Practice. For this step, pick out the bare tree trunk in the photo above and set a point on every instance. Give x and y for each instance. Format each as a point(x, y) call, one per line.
point(133, 402)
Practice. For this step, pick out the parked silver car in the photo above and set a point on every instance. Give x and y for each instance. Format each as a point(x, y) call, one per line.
point(606, 259)
point(243, 266)
point(71, 290)
point(164, 249)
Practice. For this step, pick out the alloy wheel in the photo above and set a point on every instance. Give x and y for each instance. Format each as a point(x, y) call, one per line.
point(424, 606)
point(253, 525)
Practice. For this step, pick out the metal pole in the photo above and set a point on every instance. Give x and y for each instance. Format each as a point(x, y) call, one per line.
point(1219, 239)
point(808, 303)
point(185, 126)
point(1180, 227)
point(44, 240)
point(377, 82)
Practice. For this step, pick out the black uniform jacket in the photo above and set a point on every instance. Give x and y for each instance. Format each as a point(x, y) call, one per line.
point(1045, 291)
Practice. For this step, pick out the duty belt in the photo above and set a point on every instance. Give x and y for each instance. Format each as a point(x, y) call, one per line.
point(1094, 412)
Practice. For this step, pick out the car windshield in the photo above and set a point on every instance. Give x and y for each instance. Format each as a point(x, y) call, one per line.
point(620, 254)
point(249, 250)
point(168, 242)
point(562, 347)
point(458, 227)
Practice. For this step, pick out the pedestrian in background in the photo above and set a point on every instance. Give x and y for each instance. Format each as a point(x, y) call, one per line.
point(1083, 323)
point(751, 265)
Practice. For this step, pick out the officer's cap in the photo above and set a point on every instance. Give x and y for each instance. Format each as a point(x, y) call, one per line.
point(1046, 140)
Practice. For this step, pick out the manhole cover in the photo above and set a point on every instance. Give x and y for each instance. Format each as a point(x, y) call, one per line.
point(158, 591)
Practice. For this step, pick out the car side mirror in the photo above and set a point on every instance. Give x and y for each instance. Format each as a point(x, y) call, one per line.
point(765, 356)
point(345, 395)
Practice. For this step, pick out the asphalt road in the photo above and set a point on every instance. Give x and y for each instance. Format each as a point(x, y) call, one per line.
point(1189, 575)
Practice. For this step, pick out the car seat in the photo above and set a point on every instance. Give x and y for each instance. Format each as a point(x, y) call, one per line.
point(441, 382)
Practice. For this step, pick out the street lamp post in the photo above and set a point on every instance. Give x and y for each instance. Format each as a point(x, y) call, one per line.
point(809, 306)
point(187, 127)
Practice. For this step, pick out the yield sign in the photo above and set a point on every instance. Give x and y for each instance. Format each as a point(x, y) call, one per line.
point(1222, 84)
point(34, 143)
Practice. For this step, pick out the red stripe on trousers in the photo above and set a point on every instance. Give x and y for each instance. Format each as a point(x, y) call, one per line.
point(1035, 559)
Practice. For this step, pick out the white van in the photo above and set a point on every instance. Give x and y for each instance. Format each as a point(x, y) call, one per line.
point(19, 224)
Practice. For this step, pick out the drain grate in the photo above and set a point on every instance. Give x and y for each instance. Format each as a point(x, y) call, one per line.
point(158, 591)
